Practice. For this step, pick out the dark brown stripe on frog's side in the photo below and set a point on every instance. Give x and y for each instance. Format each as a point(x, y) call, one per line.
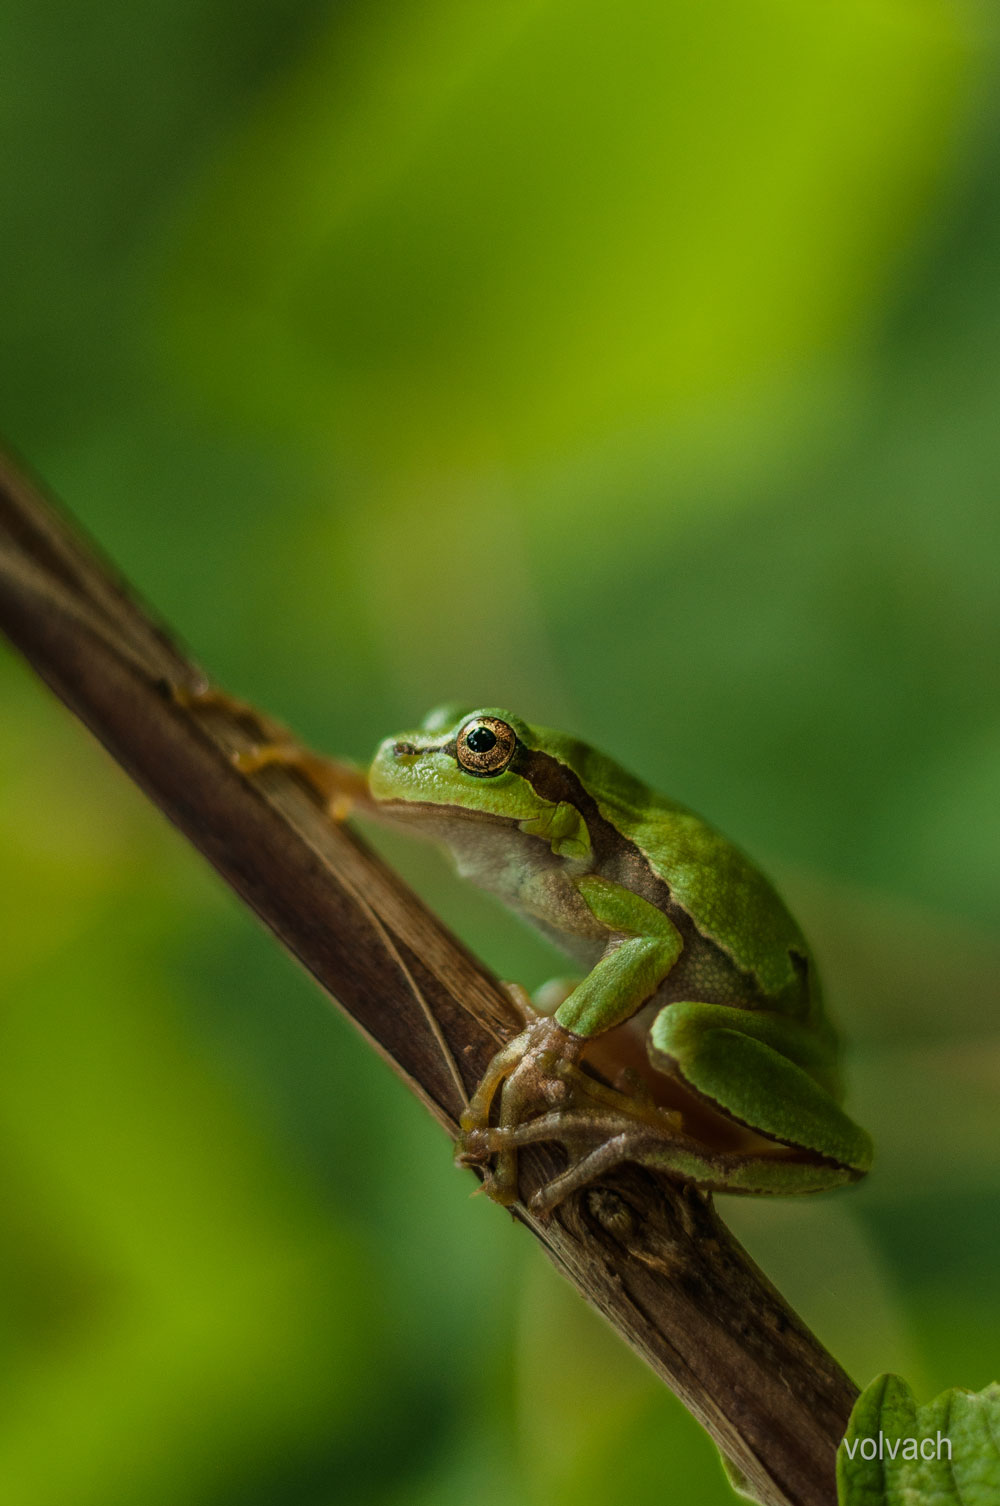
point(618, 856)
point(555, 781)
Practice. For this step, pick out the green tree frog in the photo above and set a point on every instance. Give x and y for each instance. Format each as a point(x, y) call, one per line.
point(696, 1041)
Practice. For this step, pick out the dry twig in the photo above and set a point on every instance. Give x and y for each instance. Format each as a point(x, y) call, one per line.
point(649, 1254)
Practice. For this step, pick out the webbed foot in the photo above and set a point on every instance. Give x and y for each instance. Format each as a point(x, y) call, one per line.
point(532, 1071)
point(546, 1095)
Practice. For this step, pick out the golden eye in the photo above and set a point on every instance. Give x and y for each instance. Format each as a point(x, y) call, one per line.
point(485, 745)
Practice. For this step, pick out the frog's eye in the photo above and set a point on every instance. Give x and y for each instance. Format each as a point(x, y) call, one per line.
point(485, 745)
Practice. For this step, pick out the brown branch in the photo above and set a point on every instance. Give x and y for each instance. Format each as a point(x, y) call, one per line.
point(650, 1254)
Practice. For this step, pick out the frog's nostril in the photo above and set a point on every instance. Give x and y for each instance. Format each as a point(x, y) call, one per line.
point(403, 750)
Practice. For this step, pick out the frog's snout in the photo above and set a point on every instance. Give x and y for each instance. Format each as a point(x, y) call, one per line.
point(389, 772)
point(391, 749)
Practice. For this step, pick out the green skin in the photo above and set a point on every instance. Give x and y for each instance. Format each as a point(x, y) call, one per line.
point(683, 937)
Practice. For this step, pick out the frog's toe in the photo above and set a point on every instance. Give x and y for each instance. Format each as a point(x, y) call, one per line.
point(521, 1000)
point(473, 1147)
point(501, 1180)
point(476, 1150)
point(501, 1069)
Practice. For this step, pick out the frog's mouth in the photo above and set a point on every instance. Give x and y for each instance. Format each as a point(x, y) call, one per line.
point(455, 827)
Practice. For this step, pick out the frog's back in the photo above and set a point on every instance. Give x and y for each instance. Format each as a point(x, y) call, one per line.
point(730, 901)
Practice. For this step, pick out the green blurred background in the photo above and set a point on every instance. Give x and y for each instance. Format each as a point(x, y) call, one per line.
point(637, 367)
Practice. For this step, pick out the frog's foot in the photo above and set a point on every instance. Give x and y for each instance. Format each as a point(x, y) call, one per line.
point(545, 1095)
point(595, 1144)
point(342, 785)
point(521, 1000)
point(531, 1061)
point(534, 1071)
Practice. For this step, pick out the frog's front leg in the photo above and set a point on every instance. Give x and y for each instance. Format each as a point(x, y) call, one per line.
point(342, 785)
point(532, 1073)
point(538, 1071)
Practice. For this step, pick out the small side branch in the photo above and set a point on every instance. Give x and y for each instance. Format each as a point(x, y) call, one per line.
point(652, 1256)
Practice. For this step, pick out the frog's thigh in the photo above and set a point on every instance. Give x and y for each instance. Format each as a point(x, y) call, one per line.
point(734, 1058)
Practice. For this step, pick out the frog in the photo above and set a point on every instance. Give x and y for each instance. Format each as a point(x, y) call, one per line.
point(696, 1041)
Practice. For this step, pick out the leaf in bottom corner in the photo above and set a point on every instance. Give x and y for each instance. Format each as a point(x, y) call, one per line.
point(898, 1454)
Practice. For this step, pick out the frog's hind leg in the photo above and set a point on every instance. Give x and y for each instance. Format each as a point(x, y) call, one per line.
point(733, 1059)
point(623, 1139)
point(595, 1141)
point(756, 1068)
point(598, 1126)
point(622, 1145)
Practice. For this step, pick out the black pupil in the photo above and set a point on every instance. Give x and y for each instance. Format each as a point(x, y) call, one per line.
point(481, 740)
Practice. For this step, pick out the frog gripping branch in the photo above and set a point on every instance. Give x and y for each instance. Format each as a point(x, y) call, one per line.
point(702, 998)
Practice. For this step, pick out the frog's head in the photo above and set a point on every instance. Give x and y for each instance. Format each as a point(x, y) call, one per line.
point(458, 756)
point(484, 765)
